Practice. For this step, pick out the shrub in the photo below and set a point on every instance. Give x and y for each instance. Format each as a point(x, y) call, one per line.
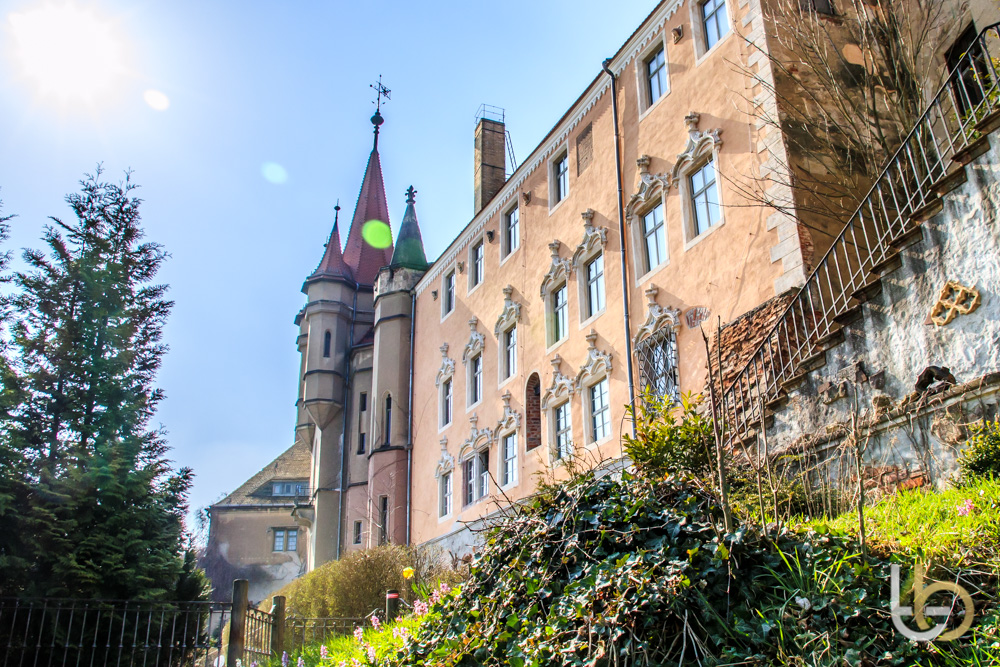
point(671, 438)
point(355, 585)
point(981, 456)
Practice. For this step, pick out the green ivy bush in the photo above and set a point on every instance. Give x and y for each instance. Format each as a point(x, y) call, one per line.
point(981, 456)
point(632, 570)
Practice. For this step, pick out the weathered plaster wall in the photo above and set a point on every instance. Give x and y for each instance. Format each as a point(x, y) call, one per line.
point(894, 341)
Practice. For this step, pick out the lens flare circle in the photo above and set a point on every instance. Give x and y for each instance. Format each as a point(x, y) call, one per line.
point(376, 234)
point(156, 100)
point(70, 53)
point(274, 173)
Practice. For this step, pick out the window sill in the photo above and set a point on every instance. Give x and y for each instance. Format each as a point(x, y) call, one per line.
point(706, 54)
point(473, 288)
point(552, 348)
point(593, 444)
point(473, 406)
point(506, 380)
point(701, 237)
point(590, 320)
point(553, 209)
point(448, 314)
point(445, 427)
point(505, 258)
point(652, 272)
point(652, 106)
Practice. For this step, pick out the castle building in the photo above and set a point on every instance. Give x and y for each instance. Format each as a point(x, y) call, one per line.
point(430, 393)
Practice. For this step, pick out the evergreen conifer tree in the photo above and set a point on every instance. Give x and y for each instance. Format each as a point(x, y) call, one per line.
point(100, 511)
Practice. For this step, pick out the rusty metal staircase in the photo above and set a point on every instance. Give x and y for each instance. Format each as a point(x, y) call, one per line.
point(952, 131)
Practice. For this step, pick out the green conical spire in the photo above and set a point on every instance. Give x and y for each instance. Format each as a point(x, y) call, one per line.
point(409, 250)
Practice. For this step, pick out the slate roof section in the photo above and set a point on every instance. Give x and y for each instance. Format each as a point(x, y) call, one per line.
point(409, 252)
point(292, 464)
point(364, 259)
point(333, 266)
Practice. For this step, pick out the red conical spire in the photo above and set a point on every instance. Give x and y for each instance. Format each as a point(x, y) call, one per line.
point(333, 265)
point(362, 257)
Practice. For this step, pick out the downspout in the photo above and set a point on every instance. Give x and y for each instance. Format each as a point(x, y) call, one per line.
point(345, 419)
point(606, 66)
point(409, 420)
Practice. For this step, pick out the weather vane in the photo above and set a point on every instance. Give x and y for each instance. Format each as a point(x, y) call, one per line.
point(380, 92)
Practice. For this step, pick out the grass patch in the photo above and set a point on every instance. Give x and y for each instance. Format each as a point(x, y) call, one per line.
point(958, 526)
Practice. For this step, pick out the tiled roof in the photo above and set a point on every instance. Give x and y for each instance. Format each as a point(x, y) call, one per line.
point(292, 464)
point(364, 259)
point(333, 265)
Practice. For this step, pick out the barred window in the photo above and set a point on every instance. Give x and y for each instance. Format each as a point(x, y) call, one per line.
point(658, 365)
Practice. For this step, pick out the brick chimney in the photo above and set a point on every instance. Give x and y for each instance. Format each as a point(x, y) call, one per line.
point(490, 169)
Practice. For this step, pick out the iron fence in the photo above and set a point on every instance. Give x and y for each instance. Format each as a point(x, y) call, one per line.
point(98, 632)
point(949, 134)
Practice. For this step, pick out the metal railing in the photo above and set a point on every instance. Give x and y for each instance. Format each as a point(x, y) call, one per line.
point(905, 193)
point(99, 632)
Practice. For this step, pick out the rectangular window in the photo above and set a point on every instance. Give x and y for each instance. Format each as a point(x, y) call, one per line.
point(560, 174)
point(655, 239)
point(483, 459)
point(478, 255)
point(600, 411)
point(363, 403)
point(656, 76)
point(446, 403)
point(705, 198)
point(564, 431)
point(511, 231)
point(362, 442)
point(558, 326)
point(388, 421)
point(469, 480)
point(293, 540)
point(279, 540)
point(966, 56)
point(476, 380)
point(383, 519)
point(510, 352)
point(287, 489)
point(508, 475)
point(448, 299)
point(357, 532)
point(595, 285)
point(657, 357)
point(446, 492)
point(714, 20)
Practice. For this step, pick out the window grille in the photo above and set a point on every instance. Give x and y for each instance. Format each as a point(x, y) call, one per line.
point(657, 356)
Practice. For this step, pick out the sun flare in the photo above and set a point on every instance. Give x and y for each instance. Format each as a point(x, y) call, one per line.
point(68, 52)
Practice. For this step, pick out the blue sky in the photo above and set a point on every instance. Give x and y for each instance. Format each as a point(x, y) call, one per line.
point(254, 82)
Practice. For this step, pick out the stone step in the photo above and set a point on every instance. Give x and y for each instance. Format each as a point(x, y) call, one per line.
point(892, 262)
point(989, 123)
point(811, 364)
point(928, 210)
point(868, 292)
point(973, 150)
point(852, 314)
point(950, 182)
point(832, 339)
point(776, 403)
point(915, 235)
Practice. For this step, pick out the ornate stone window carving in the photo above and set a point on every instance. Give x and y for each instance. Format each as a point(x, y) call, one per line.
point(588, 262)
point(645, 215)
point(511, 420)
point(561, 388)
point(510, 314)
point(695, 175)
point(447, 370)
point(655, 345)
point(445, 475)
point(598, 364)
point(558, 271)
point(446, 463)
point(477, 341)
point(475, 461)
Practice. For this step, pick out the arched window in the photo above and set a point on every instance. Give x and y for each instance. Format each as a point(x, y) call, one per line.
point(388, 420)
point(326, 344)
point(533, 412)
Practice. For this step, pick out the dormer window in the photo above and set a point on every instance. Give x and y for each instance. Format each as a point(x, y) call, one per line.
point(288, 489)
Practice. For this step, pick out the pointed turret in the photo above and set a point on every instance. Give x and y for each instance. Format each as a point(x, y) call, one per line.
point(409, 250)
point(333, 266)
point(364, 258)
